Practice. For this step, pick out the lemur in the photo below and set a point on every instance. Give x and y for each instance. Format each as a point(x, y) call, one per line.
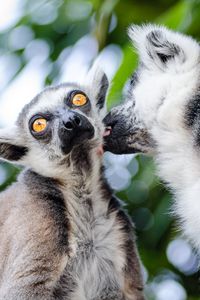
point(161, 117)
point(63, 234)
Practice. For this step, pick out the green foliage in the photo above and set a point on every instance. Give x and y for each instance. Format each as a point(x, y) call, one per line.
point(61, 26)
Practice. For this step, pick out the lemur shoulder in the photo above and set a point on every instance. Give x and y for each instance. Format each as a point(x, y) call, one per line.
point(63, 234)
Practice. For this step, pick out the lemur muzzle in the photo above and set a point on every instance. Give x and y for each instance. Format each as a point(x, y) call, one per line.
point(77, 124)
point(75, 129)
point(72, 122)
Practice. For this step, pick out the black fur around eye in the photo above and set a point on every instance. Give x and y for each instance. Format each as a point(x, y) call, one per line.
point(39, 125)
point(77, 99)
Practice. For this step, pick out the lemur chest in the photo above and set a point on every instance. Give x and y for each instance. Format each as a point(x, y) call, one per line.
point(97, 260)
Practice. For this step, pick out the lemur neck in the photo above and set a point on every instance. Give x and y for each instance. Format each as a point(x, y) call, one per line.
point(85, 168)
point(82, 172)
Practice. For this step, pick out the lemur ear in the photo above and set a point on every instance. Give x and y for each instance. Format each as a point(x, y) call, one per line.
point(11, 148)
point(99, 83)
point(162, 48)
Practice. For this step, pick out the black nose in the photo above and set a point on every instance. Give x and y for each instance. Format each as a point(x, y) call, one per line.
point(76, 123)
point(73, 121)
point(74, 130)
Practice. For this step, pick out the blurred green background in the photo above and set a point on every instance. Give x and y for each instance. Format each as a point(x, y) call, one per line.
point(44, 42)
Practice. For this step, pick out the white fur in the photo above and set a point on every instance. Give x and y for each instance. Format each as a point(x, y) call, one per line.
point(161, 99)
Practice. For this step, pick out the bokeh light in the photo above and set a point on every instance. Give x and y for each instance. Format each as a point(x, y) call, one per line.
point(47, 42)
point(169, 289)
point(182, 256)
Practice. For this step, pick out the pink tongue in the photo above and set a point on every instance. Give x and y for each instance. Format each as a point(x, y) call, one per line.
point(100, 151)
point(107, 131)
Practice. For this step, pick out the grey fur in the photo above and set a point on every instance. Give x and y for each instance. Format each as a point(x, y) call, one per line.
point(63, 235)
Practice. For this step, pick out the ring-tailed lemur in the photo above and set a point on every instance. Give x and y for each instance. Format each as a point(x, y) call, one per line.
point(63, 234)
point(161, 116)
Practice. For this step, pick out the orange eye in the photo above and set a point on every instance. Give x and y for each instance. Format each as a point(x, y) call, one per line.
point(79, 100)
point(39, 125)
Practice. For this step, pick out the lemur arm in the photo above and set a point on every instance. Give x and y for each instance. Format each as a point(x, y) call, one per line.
point(31, 255)
point(133, 282)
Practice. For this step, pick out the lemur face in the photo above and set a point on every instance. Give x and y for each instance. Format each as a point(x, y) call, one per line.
point(58, 122)
point(159, 92)
point(61, 119)
point(128, 134)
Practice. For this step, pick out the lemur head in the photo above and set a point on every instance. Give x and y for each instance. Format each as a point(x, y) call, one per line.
point(167, 75)
point(61, 124)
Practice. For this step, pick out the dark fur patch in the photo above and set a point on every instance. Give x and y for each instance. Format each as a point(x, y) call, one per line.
point(193, 111)
point(12, 152)
point(162, 47)
point(192, 117)
point(114, 205)
point(155, 37)
point(81, 158)
point(46, 135)
point(102, 92)
point(47, 190)
point(132, 267)
point(134, 79)
point(163, 57)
